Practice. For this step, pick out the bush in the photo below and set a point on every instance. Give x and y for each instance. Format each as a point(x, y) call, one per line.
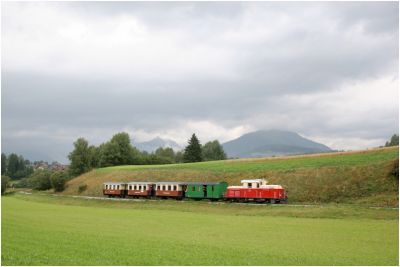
point(23, 183)
point(58, 180)
point(40, 180)
point(395, 170)
point(82, 188)
point(4, 183)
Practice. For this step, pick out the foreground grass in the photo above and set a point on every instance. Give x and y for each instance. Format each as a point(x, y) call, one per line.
point(47, 230)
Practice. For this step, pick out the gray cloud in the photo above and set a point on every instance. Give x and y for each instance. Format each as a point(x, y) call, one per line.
point(326, 70)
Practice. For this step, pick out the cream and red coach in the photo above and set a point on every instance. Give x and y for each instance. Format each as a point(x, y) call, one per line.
point(114, 189)
point(139, 189)
point(256, 190)
point(170, 189)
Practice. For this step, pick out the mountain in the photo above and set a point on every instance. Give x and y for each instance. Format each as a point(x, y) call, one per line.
point(271, 143)
point(152, 145)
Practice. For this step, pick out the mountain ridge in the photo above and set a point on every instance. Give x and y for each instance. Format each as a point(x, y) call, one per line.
point(264, 143)
point(153, 144)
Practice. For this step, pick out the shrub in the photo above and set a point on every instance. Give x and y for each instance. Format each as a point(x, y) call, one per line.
point(395, 170)
point(40, 180)
point(4, 183)
point(58, 180)
point(82, 188)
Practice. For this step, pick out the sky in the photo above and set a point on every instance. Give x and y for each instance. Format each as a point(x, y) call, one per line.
point(326, 70)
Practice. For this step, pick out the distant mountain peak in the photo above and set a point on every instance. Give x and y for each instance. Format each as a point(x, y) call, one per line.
point(264, 143)
point(153, 144)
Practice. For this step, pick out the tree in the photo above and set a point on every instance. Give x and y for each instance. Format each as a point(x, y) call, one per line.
point(179, 157)
point(3, 163)
point(394, 141)
point(80, 158)
point(58, 180)
point(193, 150)
point(166, 155)
point(213, 151)
point(13, 165)
point(94, 153)
point(4, 183)
point(118, 151)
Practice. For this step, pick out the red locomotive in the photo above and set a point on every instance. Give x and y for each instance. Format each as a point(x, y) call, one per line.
point(256, 190)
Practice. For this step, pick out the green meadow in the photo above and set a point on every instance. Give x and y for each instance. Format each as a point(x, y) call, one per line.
point(278, 163)
point(61, 230)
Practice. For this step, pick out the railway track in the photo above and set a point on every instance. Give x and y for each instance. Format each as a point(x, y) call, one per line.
point(184, 201)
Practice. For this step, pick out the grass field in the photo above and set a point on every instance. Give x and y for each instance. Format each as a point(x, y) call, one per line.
point(278, 163)
point(355, 177)
point(59, 230)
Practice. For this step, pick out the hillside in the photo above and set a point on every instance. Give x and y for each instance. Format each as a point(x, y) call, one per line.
point(272, 143)
point(361, 177)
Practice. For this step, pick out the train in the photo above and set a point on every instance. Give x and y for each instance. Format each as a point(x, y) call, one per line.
point(251, 190)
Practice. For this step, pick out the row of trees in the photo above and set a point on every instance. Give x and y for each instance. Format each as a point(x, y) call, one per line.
point(195, 152)
point(15, 167)
point(119, 151)
point(44, 180)
point(394, 141)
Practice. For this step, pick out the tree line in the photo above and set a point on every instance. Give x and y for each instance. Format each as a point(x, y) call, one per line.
point(119, 151)
point(394, 141)
point(15, 166)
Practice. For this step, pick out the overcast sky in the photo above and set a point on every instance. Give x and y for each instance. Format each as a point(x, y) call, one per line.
point(328, 71)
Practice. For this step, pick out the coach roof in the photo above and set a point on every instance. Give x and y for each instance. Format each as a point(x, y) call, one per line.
point(204, 183)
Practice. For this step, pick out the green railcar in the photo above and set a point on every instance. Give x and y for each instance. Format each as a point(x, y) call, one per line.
point(206, 190)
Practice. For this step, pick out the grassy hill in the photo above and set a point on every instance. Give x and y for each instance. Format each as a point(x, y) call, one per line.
point(355, 177)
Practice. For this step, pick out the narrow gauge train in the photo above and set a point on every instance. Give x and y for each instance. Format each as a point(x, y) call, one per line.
point(255, 190)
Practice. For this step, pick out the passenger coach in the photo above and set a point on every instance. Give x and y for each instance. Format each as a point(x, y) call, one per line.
point(140, 189)
point(114, 189)
point(170, 190)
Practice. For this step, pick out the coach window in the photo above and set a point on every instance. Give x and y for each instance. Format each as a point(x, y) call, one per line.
point(130, 187)
point(118, 187)
point(163, 187)
point(258, 185)
point(174, 188)
point(169, 188)
point(249, 185)
point(144, 187)
point(158, 187)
